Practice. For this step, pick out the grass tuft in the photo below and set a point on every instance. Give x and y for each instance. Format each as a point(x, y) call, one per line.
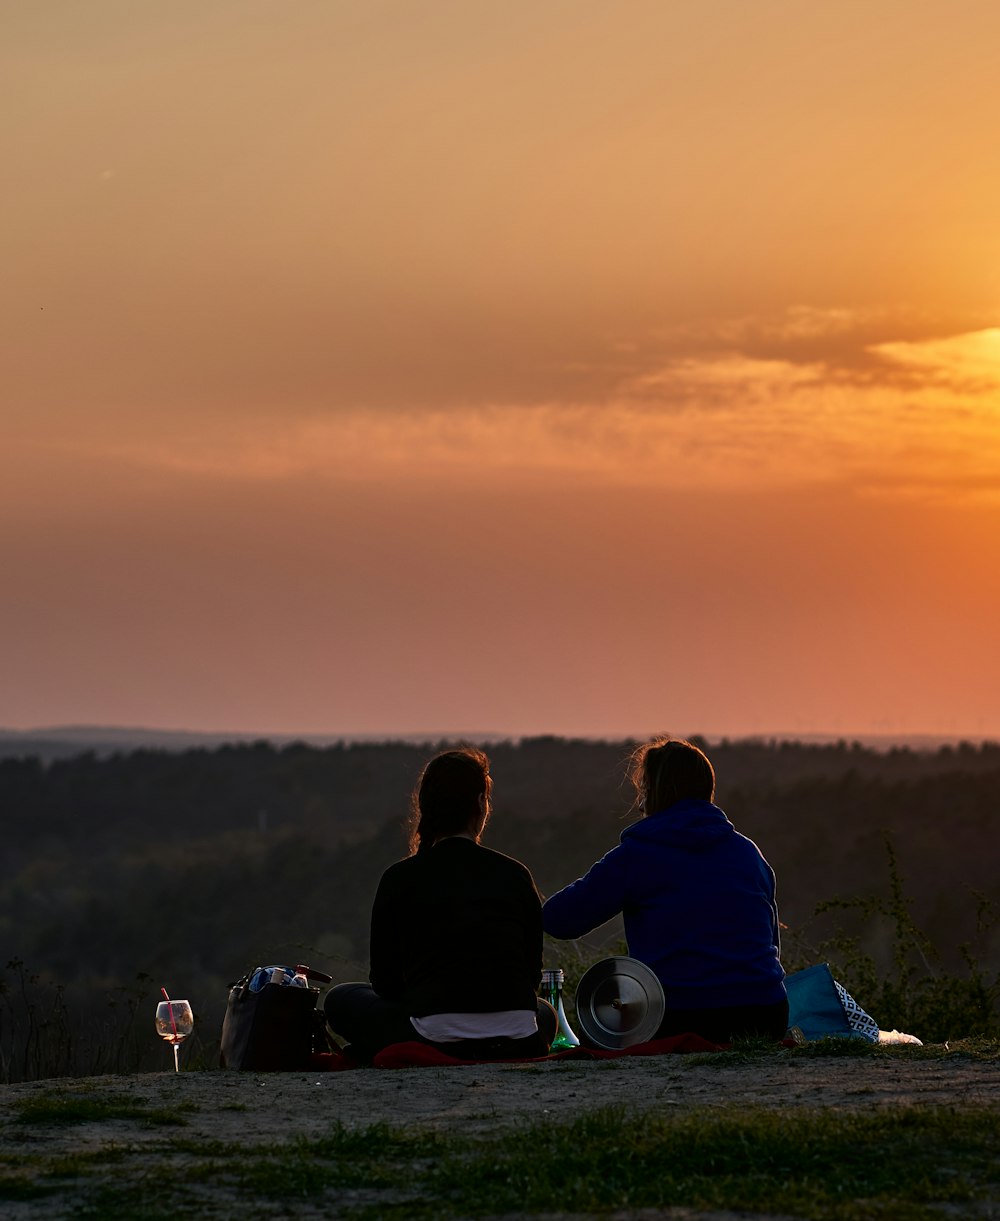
point(94, 1108)
point(814, 1164)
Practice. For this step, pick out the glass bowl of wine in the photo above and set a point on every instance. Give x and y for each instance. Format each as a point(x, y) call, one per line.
point(174, 1022)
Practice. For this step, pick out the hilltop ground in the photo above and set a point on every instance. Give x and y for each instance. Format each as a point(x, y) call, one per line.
point(260, 1110)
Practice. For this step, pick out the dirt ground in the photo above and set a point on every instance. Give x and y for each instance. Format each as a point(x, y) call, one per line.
point(263, 1108)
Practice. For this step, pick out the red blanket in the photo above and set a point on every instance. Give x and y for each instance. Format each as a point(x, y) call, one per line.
point(420, 1055)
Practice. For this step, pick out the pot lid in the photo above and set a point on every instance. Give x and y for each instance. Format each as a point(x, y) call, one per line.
point(619, 1002)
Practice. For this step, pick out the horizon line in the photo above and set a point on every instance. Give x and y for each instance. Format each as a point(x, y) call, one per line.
point(110, 732)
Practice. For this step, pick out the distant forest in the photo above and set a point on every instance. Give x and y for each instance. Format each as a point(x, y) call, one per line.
point(193, 866)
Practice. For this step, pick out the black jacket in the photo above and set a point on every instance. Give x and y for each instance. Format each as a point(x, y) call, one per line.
point(457, 928)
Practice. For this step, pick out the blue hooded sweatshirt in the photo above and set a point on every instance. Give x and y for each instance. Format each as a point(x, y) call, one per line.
point(698, 902)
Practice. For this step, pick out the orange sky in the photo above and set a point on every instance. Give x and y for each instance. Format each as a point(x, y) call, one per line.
point(549, 366)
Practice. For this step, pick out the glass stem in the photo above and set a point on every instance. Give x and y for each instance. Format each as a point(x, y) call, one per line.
point(177, 1048)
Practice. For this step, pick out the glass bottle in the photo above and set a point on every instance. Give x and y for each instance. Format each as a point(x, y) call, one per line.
point(552, 991)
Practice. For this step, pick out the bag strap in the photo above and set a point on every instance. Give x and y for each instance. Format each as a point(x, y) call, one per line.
point(319, 977)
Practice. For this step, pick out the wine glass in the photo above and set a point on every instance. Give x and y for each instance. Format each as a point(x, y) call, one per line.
point(174, 1022)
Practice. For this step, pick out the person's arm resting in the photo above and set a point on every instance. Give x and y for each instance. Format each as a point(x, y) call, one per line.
point(590, 900)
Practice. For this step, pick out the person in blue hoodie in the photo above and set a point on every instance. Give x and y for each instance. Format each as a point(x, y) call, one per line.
point(698, 900)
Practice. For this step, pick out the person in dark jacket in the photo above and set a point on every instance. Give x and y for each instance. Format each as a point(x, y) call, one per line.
point(698, 901)
point(456, 935)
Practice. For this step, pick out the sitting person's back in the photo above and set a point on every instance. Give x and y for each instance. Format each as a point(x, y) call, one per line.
point(456, 918)
point(456, 935)
point(698, 901)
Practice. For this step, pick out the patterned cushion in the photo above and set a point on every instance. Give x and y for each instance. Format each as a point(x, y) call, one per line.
point(860, 1021)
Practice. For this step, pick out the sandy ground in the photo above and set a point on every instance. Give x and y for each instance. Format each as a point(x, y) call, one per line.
point(263, 1108)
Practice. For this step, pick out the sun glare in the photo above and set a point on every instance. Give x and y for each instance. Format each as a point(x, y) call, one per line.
point(974, 356)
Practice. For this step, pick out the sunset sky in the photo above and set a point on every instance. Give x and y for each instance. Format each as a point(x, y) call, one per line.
point(501, 366)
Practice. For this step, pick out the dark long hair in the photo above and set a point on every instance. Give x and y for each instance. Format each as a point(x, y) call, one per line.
point(446, 799)
point(670, 769)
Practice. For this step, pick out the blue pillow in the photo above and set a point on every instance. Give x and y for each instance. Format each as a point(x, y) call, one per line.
point(815, 1007)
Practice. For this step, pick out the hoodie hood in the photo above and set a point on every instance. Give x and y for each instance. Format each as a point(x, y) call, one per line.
point(690, 824)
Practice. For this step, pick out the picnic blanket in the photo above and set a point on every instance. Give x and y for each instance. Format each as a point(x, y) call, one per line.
point(421, 1055)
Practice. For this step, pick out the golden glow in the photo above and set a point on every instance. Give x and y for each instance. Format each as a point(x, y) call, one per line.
point(725, 421)
point(970, 361)
point(683, 315)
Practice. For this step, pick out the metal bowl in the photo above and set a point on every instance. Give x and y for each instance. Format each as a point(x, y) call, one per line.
point(619, 1002)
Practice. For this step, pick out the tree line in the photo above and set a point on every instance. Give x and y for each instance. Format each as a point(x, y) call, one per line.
point(190, 867)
